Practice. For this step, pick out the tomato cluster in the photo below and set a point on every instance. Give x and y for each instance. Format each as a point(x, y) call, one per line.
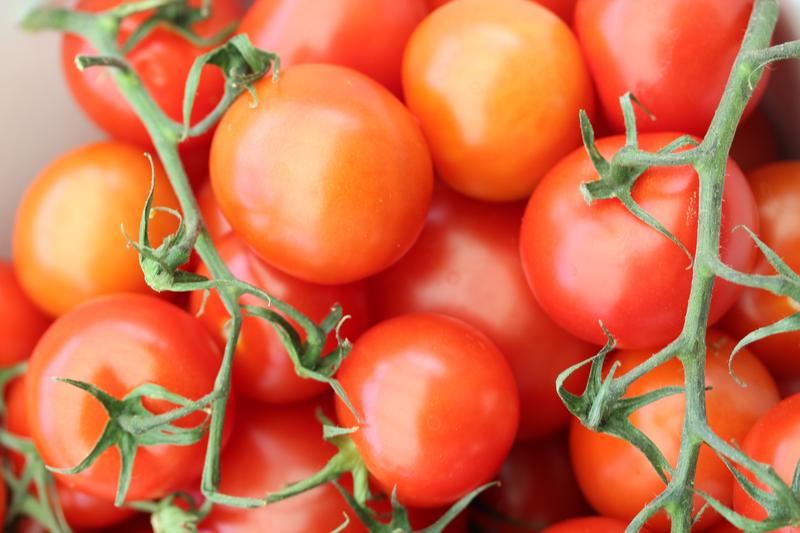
point(420, 164)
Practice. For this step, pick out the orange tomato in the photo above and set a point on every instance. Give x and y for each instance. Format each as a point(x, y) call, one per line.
point(21, 322)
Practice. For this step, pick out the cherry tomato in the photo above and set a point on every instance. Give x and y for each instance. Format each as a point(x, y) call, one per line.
point(21, 322)
point(537, 489)
point(755, 143)
point(596, 262)
point(81, 510)
point(774, 440)
point(118, 343)
point(262, 369)
point(216, 223)
point(590, 524)
point(616, 477)
point(466, 265)
point(651, 49)
point(365, 36)
point(497, 85)
point(563, 8)
point(777, 192)
point(328, 179)
point(162, 60)
point(439, 405)
point(68, 247)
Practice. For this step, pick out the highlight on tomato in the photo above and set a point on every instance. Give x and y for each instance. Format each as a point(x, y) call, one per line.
point(21, 322)
point(615, 476)
point(497, 86)
point(589, 262)
point(67, 245)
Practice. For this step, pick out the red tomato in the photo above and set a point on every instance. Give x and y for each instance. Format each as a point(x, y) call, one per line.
point(163, 60)
point(464, 244)
point(21, 322)
point(537, 489)
point(439, 405)
point(777, 192)
point(616, 477)
point(651, 49)
point(596, 262)
point(80, 509)
point(216, 223)
point(755, 143)
point(563, 8)
point(118, 343)
point(365, 36)
point(262, 369)
point(774, 440)
point(590, 524)
point(497, 85)
point(68, 247)
point(328, 179)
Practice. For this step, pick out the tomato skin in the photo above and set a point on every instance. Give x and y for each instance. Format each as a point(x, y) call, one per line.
point(21, 322)
point(590, 255)
point(755, 143)
point(464, 244)
point(590, 524)
point(216, 223)
point(262, 369)
point(340, 194)
point(366, 36)
point(67, 243)
point(485, 77)
point(563, 8)
point(117, 343)
point(439, 405)
point(618, 480)
point(650, 49)
point(774, 440)
point(163, 61)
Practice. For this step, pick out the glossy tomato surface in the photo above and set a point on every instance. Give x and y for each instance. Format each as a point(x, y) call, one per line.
point(439, 405)
point(589, 524)
point(651, 49)
point(118, 343)
point(216, 223)
point(596, 262)
point(262, 369)
point(328, 179)
point(366, 36)
point(21, 322)
point(616, 477)
point(497, 86)
point(68, 247)
point(466, 265)
point(163, 60)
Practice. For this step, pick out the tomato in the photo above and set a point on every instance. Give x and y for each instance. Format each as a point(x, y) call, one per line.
point(537, 488)
point(464, 244)
point(162, 60)
point(589, 524)
point(774, 440)
point(755, 143)
point(563, 8)
point(650, 49)
point(497, 85)
point(21, 322)
point(118, 343)
point(81, 510)
point(616, 477)
point(216, 223)
point(262, 369)
point(68, 247)
point(365, 36)
point(596, 262)
point(328, 179)
point(777, 192)
point(439, 404)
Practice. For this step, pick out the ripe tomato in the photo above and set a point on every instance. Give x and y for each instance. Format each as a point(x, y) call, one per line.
point(590, 524)
point(464, 244)
point(262, 369)
point(163, 60)
point(487, 78)
point(68, 247)
point(777, 192)
point(774, 440)
point(616, 477)
point(755, 143)
point(81, 510)
point(216, 223)
point(563, 8)
point(537, 489)
point(118, 343)
point(650, 49)
point(21, 322)
point(596, 262)
point(365, 36)
point(439, 404)
point(328, 179)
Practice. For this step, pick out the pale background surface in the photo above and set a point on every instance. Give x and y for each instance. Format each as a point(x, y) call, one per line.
point(40, 121)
